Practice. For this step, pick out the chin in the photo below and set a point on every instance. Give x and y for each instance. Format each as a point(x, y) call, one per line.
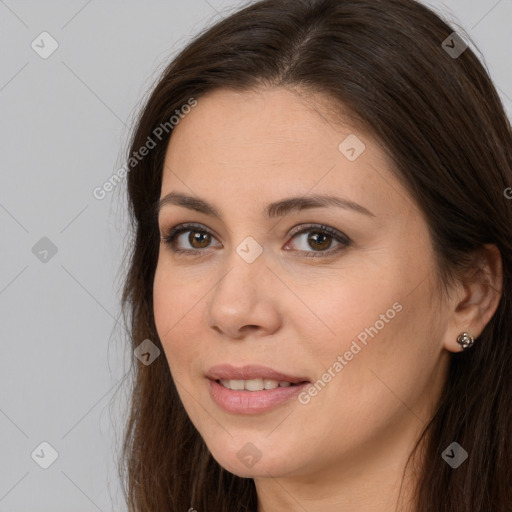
point(250, 462)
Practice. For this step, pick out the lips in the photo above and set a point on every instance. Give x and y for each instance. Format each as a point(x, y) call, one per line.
point(228, 372)
point(252, 389)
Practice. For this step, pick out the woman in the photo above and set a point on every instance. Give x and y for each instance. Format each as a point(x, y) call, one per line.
point(322, 252)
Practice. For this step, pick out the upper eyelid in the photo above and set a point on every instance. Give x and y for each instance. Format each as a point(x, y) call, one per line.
point(179, 229)
point(186, 226)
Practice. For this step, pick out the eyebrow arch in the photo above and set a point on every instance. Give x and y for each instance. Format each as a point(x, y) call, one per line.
point(273, 210)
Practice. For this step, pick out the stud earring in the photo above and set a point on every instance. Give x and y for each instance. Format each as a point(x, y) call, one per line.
point(465, 340)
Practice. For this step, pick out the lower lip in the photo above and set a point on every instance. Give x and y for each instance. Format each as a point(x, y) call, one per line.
point(252, 402)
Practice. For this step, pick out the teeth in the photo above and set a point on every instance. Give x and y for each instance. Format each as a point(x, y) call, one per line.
point(253, 384)
point(236, 384)
point(270, 384)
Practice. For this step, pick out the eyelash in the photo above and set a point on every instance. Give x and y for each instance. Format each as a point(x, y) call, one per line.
point(169, 239)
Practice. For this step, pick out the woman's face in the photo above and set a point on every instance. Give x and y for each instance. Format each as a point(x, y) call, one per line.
point(353, 310)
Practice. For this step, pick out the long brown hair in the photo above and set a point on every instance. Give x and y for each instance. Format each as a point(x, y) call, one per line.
point(442, 122)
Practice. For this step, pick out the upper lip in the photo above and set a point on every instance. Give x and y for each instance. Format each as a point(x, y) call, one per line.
point(252, 371)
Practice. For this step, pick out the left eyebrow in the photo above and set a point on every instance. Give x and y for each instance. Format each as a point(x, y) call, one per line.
point(273, 210)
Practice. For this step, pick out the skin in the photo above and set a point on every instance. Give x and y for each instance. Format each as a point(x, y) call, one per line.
point(346, 449)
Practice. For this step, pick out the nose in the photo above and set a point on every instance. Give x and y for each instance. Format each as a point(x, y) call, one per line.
point(245, 300)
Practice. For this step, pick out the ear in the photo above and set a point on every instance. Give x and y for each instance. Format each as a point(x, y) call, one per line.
point(476, 299)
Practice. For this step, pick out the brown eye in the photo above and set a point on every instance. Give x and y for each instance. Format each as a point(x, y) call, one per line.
point(320, 239)
point(200, 237)
point(197, 240)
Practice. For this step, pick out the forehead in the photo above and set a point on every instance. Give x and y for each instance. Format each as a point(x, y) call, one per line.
point(269, 141)
point(263, 121)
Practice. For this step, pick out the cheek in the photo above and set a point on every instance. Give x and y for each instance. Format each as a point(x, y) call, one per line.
point(175, 296)
point(395, 361)
point(164, 303)
point(380, 320)
point(176, 308)
point(341, 308)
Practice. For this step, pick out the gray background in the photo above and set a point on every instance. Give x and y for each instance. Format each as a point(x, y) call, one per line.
point(65, 122)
